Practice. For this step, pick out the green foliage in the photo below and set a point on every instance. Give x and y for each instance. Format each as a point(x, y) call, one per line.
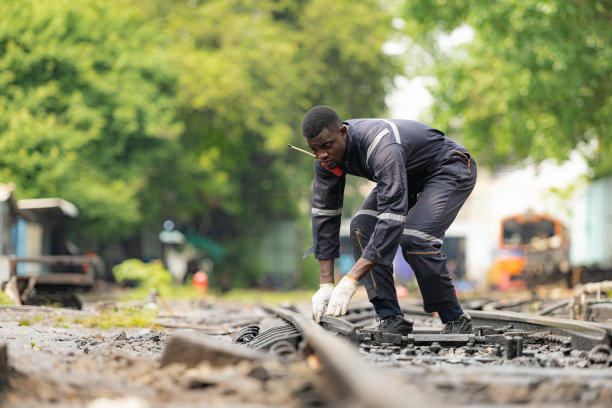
point(186, 292)
point(310, 266)
point(87, 108)
point(267, 297)
point(534, 82)
point(250, 70)
point(4, 299)
point(150, 275)
point(138, 111)
point(244, 268)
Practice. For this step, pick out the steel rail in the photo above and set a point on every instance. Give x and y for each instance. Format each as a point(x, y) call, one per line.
point(557, 305)
point(355, 379)
point(585, 335)
point(500, 305)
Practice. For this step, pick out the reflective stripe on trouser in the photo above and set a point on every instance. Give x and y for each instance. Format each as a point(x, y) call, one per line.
point(379, 282)
point(428, 219)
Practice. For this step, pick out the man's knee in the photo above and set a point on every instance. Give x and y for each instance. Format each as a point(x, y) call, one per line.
point(414, 244)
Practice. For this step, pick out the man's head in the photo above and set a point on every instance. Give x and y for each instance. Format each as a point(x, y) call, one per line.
point(325, 135)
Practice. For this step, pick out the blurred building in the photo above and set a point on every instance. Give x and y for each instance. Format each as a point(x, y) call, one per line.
point(507, 193)
point(34, 245)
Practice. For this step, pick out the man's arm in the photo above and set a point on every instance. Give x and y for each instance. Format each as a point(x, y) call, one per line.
point(327, 200)
point(326, 268)
point(360, 269)
point(342, 294)
point(326, 287)
point(392, 206)
point(392, 195)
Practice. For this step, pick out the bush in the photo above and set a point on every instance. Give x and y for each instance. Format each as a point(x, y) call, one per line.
point(4, 299)
point(148, 275)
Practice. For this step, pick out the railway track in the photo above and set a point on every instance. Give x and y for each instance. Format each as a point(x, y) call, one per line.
point(229, 354)
point(508, 358)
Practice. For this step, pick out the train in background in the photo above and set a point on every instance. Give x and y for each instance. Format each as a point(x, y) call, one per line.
point(532, 249)
point(535, 249)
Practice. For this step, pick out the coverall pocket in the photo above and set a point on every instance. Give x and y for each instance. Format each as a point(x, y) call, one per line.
point(467, 157)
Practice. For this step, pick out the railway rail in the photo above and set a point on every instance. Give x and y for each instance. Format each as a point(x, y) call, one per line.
point(523, 355)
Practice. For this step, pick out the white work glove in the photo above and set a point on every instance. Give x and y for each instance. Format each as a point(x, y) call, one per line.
point(321, 299)
point(341, 296)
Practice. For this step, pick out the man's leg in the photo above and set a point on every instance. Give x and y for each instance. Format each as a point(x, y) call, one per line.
point(426, 224)
point(379, 282)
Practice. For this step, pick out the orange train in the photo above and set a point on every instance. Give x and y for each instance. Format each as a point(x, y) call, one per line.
point(532, 249)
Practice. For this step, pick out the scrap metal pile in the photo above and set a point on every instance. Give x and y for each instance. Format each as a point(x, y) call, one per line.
point(507, 339)
point(508, 358)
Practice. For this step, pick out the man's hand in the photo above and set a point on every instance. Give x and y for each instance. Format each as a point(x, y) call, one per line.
point(341, 296)
point(320, 300)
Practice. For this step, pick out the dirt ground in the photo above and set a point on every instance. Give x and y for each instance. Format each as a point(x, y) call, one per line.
point(54, 360)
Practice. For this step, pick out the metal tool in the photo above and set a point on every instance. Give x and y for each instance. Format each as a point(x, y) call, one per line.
point(302, 150)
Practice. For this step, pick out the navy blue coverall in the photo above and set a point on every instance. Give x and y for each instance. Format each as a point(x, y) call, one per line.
point(422, 180)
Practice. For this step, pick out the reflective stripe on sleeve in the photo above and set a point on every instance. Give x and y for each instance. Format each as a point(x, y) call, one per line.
point(394, 217)
point(374, 144)
point(422, 235)
point(395, 131)
point(320, 211)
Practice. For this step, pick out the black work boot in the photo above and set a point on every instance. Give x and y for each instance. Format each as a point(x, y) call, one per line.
point(463, 325)
point(395, 325)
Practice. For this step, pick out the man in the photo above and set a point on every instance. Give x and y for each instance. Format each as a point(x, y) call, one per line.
point(422, 180)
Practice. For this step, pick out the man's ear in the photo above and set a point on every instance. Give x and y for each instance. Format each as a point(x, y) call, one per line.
point(344, 131)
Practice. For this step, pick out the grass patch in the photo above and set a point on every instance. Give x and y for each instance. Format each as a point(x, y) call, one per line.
point(123, 317)
point(533, 307)
point(62, 322)
point(25, 322)
point(190, 292)
point(4, 299)
point(266, 296)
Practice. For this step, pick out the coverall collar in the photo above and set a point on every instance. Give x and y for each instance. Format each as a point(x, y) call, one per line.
point(350, 145)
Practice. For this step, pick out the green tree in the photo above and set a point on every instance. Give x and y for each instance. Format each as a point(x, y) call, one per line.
point(534, 82)
point(87, 109)
point(143, 110)
point(250, 70)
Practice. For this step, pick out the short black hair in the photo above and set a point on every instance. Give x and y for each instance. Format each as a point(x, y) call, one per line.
point(319, 118)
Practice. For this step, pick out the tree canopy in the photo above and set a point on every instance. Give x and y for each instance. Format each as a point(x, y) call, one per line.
point(534, 81)
point(87, 108)
point(250, 70)
point(138, 111)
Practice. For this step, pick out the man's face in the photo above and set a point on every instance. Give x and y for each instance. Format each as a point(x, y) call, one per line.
point(329, 145)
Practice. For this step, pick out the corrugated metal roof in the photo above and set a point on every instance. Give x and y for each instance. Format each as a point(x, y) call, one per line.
point(66, 207)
